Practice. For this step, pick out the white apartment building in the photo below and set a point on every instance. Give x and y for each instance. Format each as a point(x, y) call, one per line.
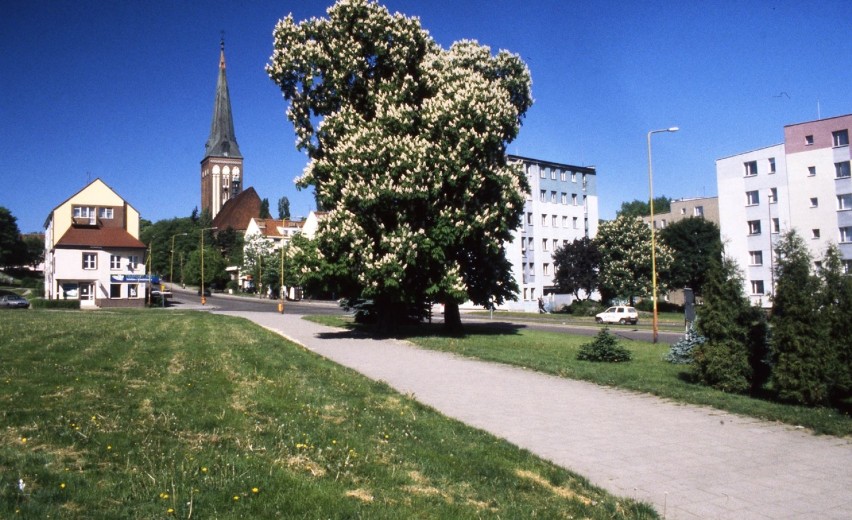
point(562, 206)
point(802, 184)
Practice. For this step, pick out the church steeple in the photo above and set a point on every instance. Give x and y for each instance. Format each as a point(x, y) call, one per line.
point(222, 165)
point(222, 141)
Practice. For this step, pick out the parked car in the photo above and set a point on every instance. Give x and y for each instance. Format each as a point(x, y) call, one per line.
point(618, 314)
point(13, 300)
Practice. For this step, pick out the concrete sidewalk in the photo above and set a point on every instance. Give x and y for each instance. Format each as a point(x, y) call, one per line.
point(690, 462)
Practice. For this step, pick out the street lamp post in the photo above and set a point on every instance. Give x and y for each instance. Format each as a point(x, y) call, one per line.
point(281, 283)
point(150, 263)
point(172, 259)
point(653, 229)
point(203, 297)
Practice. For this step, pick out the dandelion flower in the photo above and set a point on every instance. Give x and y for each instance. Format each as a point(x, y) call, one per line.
point(62, 486)
point(255, 490)
point(204, 469)
point(236, 498)
point(23, 440)
point(170, 511)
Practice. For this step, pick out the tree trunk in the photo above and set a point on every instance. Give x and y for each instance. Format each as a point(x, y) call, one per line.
point(452, 318)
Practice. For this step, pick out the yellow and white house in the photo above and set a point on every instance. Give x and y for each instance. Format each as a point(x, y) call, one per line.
point(93, 252)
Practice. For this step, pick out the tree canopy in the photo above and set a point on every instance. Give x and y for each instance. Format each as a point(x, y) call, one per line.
point(13, 249)
point(641, 208)
point(577, 267)
point(696, 244)
point(625, 248)
point(407, 144)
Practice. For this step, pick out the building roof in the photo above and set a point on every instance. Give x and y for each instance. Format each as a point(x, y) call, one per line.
point(98, 238)
point(561, 166)
point(222, 141)
point(272, 228)
point(238, 212)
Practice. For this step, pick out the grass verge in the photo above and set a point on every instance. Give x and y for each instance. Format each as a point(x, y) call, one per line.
point(132, 414)
point(556, 354)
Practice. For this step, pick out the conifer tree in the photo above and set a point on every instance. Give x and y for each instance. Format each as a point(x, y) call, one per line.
point(799, 326)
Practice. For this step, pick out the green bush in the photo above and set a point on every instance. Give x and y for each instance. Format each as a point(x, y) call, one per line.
point(723, 365)
point(41, 303)
point(583, 308)
point(681, 353)
point(648, 306)
point(604, 348)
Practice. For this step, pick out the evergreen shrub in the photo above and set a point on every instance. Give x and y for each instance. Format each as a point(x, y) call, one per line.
point(583, 308)
point(681, 352)
point(604, 348)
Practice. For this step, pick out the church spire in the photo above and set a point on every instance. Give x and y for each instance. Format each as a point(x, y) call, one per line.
point(222, 141)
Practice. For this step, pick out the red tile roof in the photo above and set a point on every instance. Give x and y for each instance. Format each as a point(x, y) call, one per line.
point(90, 237)
point(237, 212)
point(270, 226)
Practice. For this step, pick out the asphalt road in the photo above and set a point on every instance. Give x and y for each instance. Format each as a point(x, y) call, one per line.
point(227, 303)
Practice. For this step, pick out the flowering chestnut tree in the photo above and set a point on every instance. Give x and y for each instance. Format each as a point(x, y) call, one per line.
point(625, 261)
point(406, 142)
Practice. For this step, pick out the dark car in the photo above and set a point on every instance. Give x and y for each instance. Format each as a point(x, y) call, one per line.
point(13, 300)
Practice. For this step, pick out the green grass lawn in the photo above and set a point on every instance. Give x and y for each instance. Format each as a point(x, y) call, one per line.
point(148, 414)
point(669, 321)
point(556, 354)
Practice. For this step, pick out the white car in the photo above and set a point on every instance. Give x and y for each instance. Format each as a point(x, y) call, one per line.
point(618, 314)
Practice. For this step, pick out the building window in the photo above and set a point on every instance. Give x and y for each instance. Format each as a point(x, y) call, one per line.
point(753, 227)
point(847, 266)
point(545, 268)
point(555, 244)
point(132, 261)
point(565, 221)
point(755, 257)
point(553, 174)
point(105, 213)
point(750, 168)
point(773, 195)
point(132, 290)
point(757, 287)
point(815, 234)
point(814, 202)
point(841, 169)
point(840, 138)
point(544, 244)
point(846, 234)
point(529, 219)
point(85, 212)
point(523, 245)
point(809, 140)
point(752, 198)
point(90, 261)
point(811, 171)
point(544, 220)
point(584, 181)
point(542, 196)
point(844, 201)
point(530, 244)
point(776, 225)
point(772, 165)
point(115, 290)
point(542, 172)
point(683, 211)
point(525, 294)
point(573, 176)
point(114, 261)
point(563, 176)
point(574, 199)
point(564, 198)
point(553, 197)
point(554, 221)
point(575, 222)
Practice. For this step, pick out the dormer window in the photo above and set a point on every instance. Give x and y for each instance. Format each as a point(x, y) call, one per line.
point(82, 213)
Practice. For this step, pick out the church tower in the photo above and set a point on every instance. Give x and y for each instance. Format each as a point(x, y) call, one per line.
point(222, 165)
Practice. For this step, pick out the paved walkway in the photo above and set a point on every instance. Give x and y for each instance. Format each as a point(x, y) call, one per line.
point(689, 462)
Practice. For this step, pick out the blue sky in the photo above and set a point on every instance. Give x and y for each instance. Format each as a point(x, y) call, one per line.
point(124, 90)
